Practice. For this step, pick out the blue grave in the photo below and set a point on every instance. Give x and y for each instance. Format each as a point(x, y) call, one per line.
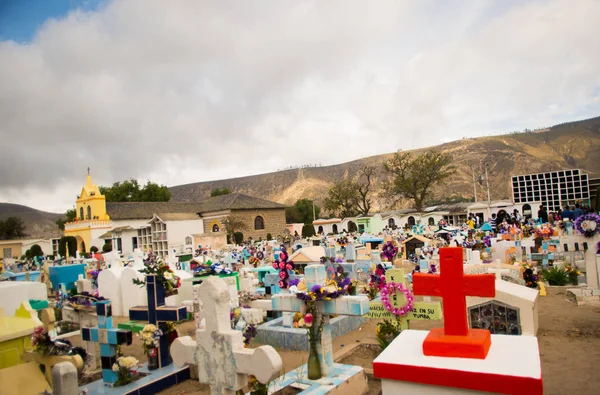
point(66, 274)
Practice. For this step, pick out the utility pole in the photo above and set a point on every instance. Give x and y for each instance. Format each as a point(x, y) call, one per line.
point(487, 183)
point(474, 184)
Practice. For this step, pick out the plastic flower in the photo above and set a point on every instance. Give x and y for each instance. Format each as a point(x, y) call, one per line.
point(316, 288)
point(308, 319)
point(115, 367)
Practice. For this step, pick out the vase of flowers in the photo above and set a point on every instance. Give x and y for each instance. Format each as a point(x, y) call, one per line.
point(125, 367)
point(163, 273)
point(150, 342)
point(314, 336)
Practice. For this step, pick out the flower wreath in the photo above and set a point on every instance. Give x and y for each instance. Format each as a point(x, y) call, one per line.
point(389, 288)
point(389, 251)
point(582, 224)
point(260, 255)
point(284, 266)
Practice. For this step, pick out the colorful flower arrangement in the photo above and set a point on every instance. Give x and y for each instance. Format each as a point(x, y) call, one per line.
point(127, 368)
point(260, 255)
point(544, 231)
point(573, 274)
point(391, 288)
point(487, 241)
point(389, 251)
point(150, 337)
point(284, 266)
point(254, 261)
point(211, 269)
point(83, 300)
point(588, 224)
point(376, 282)
point(246, 297)
point(342, 241)
point(42, 344)
point(433, 268)
point(155, 265)
point(250, 333)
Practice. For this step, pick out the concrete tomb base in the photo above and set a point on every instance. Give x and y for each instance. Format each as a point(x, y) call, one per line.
point(341, 380)
point(512, 366)
point(275, 334)
point(583, 296)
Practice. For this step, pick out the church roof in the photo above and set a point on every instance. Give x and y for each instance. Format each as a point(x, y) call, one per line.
point(146, 210)
point(237, 201)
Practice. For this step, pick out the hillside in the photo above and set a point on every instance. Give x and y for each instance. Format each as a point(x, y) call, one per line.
point(569, 145)
point(38, 224)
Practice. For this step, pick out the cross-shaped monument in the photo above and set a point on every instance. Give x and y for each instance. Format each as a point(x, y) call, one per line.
point(453, 286)
point(420, 311)
point(344, 305)
point(219, 351)
point(109, 338)
point(156, 312)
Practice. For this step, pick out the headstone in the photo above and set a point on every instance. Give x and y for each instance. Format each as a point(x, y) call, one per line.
point(108, 337)
point(222, 360)
point(83, 285)
point(156, 312)
point(64, 379)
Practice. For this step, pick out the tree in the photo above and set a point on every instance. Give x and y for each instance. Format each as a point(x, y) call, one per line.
point(70, 215)
point(69, 242)
point(413, 177)
point(12, 228)
point(94, 249)
point(342, 199)
point(234, 224)
point(131, 191)
point(308, 230)
point(364, 189)
point(36, 250)
point(238, 237)
point(220, 191)
point(107, 247)
point(269, 237)
point(302, 212)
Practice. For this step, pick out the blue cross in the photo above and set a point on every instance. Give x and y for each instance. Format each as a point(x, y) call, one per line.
point(156, 312)
point(108, 337)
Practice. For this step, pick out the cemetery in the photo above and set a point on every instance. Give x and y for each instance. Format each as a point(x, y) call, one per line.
point(423, 309)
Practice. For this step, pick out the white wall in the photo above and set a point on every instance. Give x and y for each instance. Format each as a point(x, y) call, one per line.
point(177, 231)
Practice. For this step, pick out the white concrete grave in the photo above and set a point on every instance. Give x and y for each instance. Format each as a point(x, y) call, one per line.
point(219, 351)
point(109, 286)
point(13, 293)
point(514, 310)
point(83, 284)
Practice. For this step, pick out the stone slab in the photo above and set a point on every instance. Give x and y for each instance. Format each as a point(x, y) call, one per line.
point(157, 381)
point(584, 296)
point(512, 366)
point(342, 380)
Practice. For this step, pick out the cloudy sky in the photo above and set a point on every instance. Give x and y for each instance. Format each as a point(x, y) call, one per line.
point(185, 91)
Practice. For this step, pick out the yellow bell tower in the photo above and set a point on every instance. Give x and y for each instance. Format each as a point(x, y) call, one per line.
point(91, 217)
point(91, 204)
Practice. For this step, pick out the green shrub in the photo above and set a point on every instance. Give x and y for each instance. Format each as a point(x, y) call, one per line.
point(308, 231)
point(36, 250)
point(556, 276)
point(107, 247)
point(69, 241)
point(238, 237)
point(94, 249)
point(269, 237)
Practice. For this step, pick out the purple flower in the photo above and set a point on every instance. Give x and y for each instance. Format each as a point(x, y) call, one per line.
point(345, 282)
point(294, 282)
point(316, 288)
point(340, 269)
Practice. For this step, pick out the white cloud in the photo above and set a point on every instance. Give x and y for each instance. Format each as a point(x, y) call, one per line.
point(186, 91)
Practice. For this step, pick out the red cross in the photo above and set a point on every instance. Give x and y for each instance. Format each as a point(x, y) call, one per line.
point(453, 286)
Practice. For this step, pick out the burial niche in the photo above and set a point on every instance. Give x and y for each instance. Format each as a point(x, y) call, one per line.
point(498, 318)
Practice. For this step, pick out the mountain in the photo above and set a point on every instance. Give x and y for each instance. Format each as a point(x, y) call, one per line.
point(574, 145)
point(38, 224)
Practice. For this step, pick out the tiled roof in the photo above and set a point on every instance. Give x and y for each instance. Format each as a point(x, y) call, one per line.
point(146, 210)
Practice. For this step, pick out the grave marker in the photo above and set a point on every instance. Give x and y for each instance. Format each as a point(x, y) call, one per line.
point(109, 338)
point(219, 352)
point(453, 286)
point(156, 312)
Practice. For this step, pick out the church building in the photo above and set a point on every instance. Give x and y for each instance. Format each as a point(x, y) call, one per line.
point(164, 226)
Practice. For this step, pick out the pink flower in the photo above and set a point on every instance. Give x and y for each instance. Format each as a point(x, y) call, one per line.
point(275, 265)
point(281, 284)
point(288, 266)
point(282, 274)
point(281, 265)
point(308, 319)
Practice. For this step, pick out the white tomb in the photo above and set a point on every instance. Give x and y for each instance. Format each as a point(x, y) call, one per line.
point(13, 293)
point(514, 310)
